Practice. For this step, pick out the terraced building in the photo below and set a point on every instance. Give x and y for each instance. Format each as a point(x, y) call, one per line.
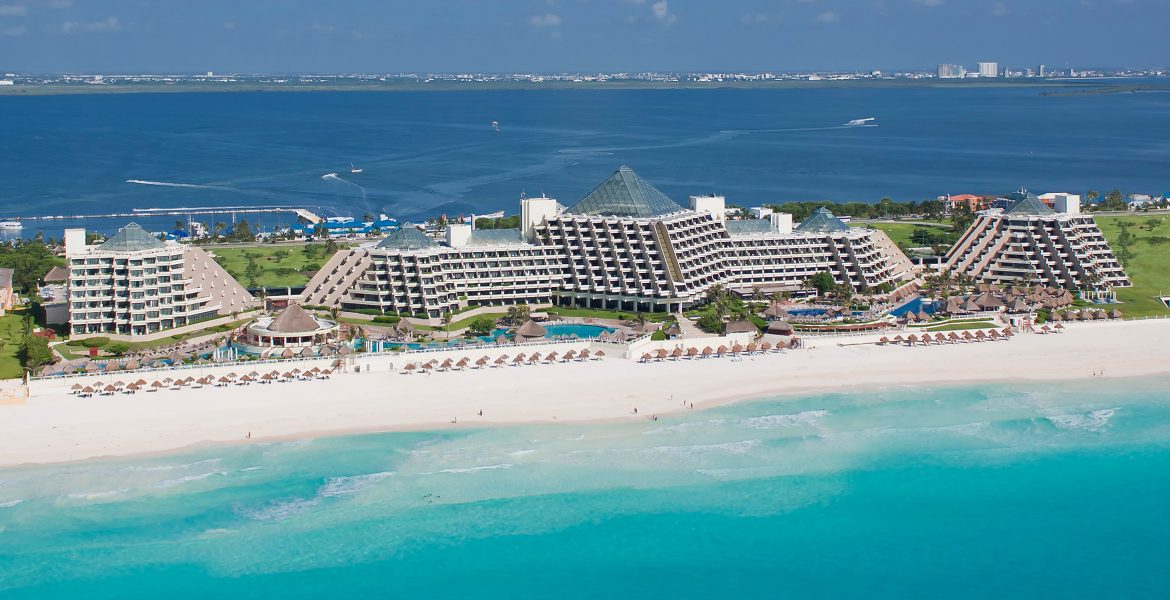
point(625, 246)
point(1029, 241)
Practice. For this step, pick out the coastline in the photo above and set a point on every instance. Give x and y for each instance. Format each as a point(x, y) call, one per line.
point(57, 427)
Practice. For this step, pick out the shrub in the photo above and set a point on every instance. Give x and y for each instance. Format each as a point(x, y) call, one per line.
point(658, 335)
point(387, 319)
point(95, 342)
point(710, 323)
point(118, 348)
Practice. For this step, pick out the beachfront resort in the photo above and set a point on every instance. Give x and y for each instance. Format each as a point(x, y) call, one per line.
point(625, 273)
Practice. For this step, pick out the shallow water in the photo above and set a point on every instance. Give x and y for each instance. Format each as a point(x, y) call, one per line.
point(994, 491)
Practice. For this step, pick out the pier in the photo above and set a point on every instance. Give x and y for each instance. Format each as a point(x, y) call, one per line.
point(305, 213)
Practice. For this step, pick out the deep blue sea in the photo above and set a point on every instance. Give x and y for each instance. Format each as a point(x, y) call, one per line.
point(424, 154)
point(1000, 491)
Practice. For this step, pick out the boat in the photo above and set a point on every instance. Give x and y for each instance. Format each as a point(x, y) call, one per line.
point(329, 176)
point(353, 169)
point(861, 122)
point(11, 225)
point(496, 125)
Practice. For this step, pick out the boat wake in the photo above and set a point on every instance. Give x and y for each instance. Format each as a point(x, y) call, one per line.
point(194, 186)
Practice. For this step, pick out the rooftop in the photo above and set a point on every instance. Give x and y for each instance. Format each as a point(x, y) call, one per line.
point(131, 238)
point(408, 237)
point(822, 220)
point(294, 319)
point(1026, 203)
point(624, 194)
point(749, 226)
point(494, 237)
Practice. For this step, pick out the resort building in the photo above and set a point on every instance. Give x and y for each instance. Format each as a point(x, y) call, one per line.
point(7, 297)
point(1028, 241)
point(135, 284)
point(624, 246)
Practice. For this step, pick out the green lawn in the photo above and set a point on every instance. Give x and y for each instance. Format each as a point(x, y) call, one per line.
point(280, 266)
point(71, 352)
point(961, 325)
point(594, 313)
point(900, 232)
point(10, 336)
point(1149, 269)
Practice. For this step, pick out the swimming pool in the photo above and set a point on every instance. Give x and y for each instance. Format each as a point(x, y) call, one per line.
point(580, 330)
point(916, 305)
point(815, 312)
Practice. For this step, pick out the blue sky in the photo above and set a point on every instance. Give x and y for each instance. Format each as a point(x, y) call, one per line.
point(574, 35)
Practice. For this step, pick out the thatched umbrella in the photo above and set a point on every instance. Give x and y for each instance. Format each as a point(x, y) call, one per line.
point(463, 362)
point(503, 360)
point(981, 334)
point(939, 338)
point(552, 356)
point(427, 366)
point(584, 354)
point(993, 335)
point(736, 348)
point(87, 390)
point(570, 355)
point(952, 337)
point(967, 336)
point(707, 351)
point(132, 389)
point(923, 316)
point(109, 389)
point(1115, 314)
point(752, 347)
point(1045, 328)
point(410, 367)
point(535, 358)
point(692, 352)
point(519, 359)
point(677, 353)
point(76, 387)
point(132, 364)
point(1058, 326)
point(884, 340)
point(1055, 316)
point(898, 339)
point(92, 367)
point(661, 354)
point(913, 339)
point(766, 346)
point(447, 364)
point(531, 330)
point(482, 362)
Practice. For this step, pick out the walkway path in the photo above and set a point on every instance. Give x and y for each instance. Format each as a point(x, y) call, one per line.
point(689, 329)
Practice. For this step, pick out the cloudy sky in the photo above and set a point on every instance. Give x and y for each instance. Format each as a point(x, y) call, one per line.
point(573, 35)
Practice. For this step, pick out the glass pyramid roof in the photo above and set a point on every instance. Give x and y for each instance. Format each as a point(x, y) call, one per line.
point(131, 238)
point(1026, 203)
point(408, 237)
point(624, 194)
point(822, 220)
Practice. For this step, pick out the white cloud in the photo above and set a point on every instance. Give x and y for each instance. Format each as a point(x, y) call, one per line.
point(662, 12)
point(14, 31)
point(61, 3)
point(229, 24)
point(828, 17)
point(105, 25)
point(546, 20)
point(323, 28)
point(13, 10)
point(999, 9)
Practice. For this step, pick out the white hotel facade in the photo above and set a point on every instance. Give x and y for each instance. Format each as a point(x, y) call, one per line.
point(624, 246)
point(136, 284)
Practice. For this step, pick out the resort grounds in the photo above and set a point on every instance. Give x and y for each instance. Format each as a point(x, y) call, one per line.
point(373, 393)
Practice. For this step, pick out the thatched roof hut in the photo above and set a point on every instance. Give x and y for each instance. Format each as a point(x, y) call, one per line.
point(530, 329)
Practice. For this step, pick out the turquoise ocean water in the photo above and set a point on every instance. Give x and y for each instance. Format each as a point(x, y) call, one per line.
point(1002, 491)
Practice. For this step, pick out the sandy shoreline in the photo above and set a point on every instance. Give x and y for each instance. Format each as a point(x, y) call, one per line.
point(58, 427)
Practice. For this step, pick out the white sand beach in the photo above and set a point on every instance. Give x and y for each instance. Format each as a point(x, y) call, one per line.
point(56, 426)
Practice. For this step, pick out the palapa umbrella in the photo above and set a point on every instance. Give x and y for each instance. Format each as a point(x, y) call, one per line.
point(752, 347)
point(646, 357)
point(721, 350)
point(132, 364)
point(736, 348)
point(519, 359)
point(92, 367)
point(109, 389)
point(967, 336)
point(570, 355)
point(87, 390)
point(463, 362)
point(130, 389)
point(692, 351)
point(1007, 332)
point(677, 353)
point(661, 354)
point(913, 339)
point(939, 338)
point(535, 358)
point(994, 334)
point(707, 351)
point(76, 387)
point(482, 362)
point(899, 339)
point(1115, 314)
point(1058, 326)
point(501, 361)
point(1045, 328)
point(766, 346)
point(583, 355)
point(953, 337)
point(157, 385)
point(980, 334)
point(551, 356)
point(267, 377)
point(884, 340)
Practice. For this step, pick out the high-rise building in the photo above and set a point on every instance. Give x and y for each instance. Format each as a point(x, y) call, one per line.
point(136, 284)
point(951, 71)
point(1030, 242)
point(988, 69)
point(624, 246)
point(1041, 71)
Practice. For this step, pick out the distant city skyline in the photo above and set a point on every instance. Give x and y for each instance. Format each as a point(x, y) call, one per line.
point(549, 36)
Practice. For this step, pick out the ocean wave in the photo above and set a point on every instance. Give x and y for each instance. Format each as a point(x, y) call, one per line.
point(344, 486)
point(333, 487)
point(96, 495)
point(152, 468)
point(10, 503)
point(181, 480)
point(470, 469)
point(1094, 421)
point(807, 417)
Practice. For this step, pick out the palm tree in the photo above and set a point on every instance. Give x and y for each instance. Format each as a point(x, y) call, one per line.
point(447, 323)
point(220, 226)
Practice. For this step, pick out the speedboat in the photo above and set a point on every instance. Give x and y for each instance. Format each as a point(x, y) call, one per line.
point(11, 225)
point(860, 122)
point(353, 169)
